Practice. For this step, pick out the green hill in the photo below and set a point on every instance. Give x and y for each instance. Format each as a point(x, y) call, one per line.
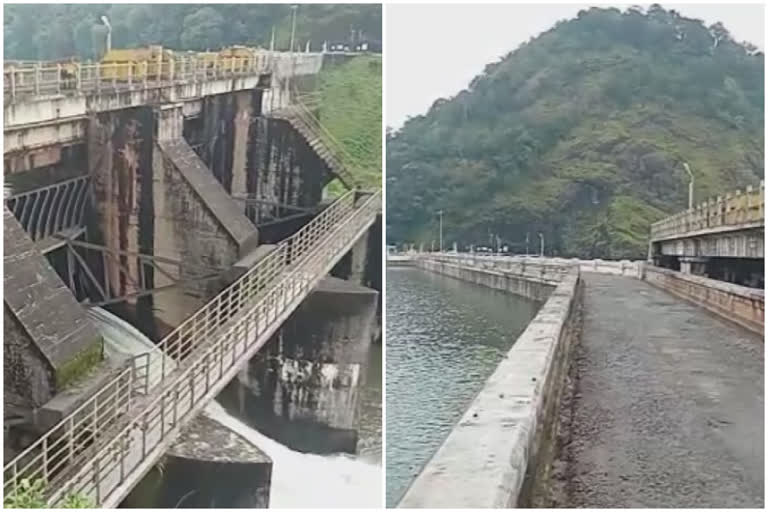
point(581, 134)
point(350, 108)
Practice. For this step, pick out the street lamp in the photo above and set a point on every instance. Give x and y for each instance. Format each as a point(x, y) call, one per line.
point(293, 25)
point(440, 213)
point(105, 20)
point(541, 239)
point(690, 186)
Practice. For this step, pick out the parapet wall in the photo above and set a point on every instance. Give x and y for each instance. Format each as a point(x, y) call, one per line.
point(501, 449)
point(745, 306)
point(740, 304)
point(531, 281)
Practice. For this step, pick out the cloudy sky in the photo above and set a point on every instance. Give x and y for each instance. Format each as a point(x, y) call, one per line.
point(434, 50)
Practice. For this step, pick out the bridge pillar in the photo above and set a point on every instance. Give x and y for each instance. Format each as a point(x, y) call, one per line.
point(208, 466)
point(303, 387)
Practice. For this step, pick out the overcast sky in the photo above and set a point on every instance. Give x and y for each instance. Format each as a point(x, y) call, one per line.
point(434, 50)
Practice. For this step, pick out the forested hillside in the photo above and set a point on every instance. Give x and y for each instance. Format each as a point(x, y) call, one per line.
point(54, 31)
point(350, 108)
point(581, 134)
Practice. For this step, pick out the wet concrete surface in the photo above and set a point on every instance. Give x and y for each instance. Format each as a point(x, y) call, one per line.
point(667, 406)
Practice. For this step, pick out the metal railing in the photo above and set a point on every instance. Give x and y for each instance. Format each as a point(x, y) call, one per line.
point(200, 351)
point(732, 210)
point(45, 78)
point(45, 211)
point(71, 437)
point(311, 127)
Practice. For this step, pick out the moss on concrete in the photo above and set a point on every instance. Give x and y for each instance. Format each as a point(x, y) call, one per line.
point(79, 366)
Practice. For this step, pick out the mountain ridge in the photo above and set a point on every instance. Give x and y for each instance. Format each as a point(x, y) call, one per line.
point(581, 134)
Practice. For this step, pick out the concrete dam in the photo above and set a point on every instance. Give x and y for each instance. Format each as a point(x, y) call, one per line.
point(190, 208)
point(626, 384)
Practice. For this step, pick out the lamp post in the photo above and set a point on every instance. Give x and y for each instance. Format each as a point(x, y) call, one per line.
point(440, 213)
point(105, 20)
point(690, 185)
point(293, 25)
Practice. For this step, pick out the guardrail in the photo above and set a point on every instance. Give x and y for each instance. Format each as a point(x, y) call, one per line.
point(732, 210)
point(202, 349)
point(738, 304)
point(41, 78)
point(66, 440)
point(518, 262)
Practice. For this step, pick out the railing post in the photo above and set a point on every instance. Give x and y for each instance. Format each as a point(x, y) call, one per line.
point(145, 69)
point(45, 459)
point(97, 479)
point(130, 78)
point(13, 82)
point(116, 70)
point(71, 438)
point(58, 78)
point(98, 77)
point(172, 64)
point(122, 459)
point(37, 79)
point(162, 416)
point(160, 69)
point(207, 372)
point(78, 77)
point(175, 405)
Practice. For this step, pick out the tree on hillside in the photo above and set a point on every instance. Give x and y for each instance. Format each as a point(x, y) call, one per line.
point(581, 133)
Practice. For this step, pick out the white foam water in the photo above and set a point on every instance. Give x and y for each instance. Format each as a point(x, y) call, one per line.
point(304, 480)
point(299, 480)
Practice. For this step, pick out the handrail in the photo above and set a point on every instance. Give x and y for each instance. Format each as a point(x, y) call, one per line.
point(43, 78)
point(198, 334)
point(106, 470)
point(23, 79)
point(304, 116)
point(732, 210)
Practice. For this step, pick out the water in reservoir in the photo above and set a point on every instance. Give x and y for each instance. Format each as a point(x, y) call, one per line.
point(444, 339)
point(299, 480)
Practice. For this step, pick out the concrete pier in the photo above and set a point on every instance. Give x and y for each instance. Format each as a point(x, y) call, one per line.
point(209, 466)
point(308, 377)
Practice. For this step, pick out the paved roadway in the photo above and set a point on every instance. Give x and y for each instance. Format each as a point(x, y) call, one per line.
point(668, 408)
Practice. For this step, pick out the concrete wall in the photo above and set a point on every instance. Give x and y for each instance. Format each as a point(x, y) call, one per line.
point(500, 451)
point(29, 378)
point(256, 155)
point(745, 306)
point(731, 243)
point(535, 283)
point(45, 312)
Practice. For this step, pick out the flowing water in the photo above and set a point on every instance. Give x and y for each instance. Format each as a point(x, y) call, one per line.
point(299, 480)
point(444, 339)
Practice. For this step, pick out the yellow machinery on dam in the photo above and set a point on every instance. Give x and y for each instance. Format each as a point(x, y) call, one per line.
point(126, 66)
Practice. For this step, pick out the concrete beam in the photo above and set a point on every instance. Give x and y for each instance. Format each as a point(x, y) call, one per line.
point(35, 136)
point(741, 243)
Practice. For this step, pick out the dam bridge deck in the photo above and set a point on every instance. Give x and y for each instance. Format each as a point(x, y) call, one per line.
point(668, 406)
